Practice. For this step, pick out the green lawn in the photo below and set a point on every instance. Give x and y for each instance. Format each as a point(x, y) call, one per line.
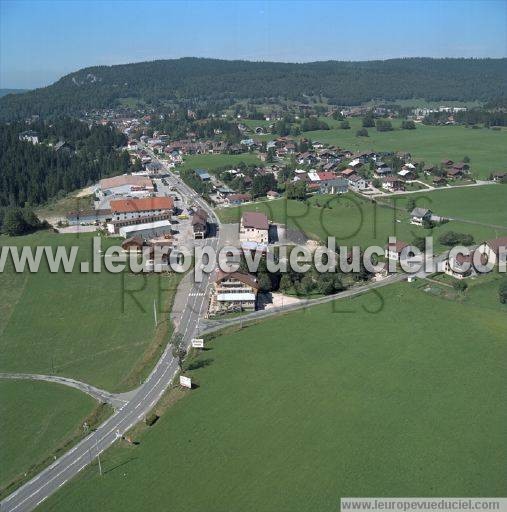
point(35, 419)
point(401, 395)
point(352, 220)
point(211, 162)
point(97, 328)
point(486, 148)
point(487, 204)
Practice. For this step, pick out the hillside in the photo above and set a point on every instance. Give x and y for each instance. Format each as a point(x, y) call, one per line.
point(342, 83)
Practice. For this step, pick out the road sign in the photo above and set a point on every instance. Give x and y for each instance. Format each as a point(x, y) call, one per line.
point(185, 382)
point(197, 343)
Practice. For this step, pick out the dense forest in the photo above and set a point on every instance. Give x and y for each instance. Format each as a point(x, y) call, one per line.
point(31, 174)
point(341, 83)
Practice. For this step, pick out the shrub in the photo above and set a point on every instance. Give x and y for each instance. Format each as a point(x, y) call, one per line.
point(151, 419)
point(502, 291)
point(451, 238)
point(460, 286)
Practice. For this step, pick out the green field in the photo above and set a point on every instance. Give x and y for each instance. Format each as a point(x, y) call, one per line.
point(35, 419)
point(486, 204)
point(97, 328)
point(353, 220)
point(381, 401)
point(211, 162)
point(487, 149)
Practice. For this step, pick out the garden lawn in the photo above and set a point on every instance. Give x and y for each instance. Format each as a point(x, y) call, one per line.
point(352, 220)
point(391, 394)
point(35, 419)
point(97, 328)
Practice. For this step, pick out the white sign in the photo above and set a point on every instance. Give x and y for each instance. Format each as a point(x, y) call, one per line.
point(198, 343)
point(185, 382)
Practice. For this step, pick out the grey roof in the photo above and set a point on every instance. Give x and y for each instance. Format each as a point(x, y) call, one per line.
point(420, 212)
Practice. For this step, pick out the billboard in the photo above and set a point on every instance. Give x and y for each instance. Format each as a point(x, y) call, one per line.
point(185, 382)
point(197, 343)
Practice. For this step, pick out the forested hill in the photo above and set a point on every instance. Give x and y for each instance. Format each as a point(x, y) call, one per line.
point(342, 83)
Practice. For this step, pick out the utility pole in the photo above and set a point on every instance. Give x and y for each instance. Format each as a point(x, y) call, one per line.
point(155, 312)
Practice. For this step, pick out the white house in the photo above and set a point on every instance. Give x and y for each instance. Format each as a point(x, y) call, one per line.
point(393, 250)
point(357, 183)
point(418, 216)
point(460, 266)
point(254, 227)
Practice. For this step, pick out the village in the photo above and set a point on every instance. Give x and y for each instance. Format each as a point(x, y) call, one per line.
point(153, 206)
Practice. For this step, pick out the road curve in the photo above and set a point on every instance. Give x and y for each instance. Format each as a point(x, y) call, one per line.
point(99, 394)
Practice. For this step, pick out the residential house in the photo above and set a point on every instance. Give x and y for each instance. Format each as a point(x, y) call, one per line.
point(29, 136)
point(254, 227)
point(272, 194)
point(460, 266)
point(393, 250)
point(237, 199)
point(199, 224)
point(329, 183)
point(203, 174)
point(357, 183)
point(418, 216)
point(348, 172)
point(392, 184)
point(499, 176)
point(232, 292)
point(494, 250)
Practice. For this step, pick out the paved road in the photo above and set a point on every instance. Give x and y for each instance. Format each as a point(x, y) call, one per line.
point(116, 400)
point(32, 493)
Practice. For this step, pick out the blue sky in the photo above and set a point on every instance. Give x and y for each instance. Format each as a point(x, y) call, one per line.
point(41, 41)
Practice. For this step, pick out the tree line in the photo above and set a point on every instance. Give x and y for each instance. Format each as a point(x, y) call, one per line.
point(196, 79)
point(32, 174)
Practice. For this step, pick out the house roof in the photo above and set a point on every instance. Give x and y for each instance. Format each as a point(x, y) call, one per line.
point(398, 246)
point(199, 217)
point(126, 179)
point(255, 220)
point(239, 197)
point(420, 212)
point(496, 243)
point(326, 176)
point(348, 172)
point(247, 279)
point(141, 204)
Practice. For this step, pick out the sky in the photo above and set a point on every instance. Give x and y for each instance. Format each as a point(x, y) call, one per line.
point(40, 40)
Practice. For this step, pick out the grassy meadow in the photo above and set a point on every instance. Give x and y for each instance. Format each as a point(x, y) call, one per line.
point(354, 220)
point(35, 419)
point(211, 162)
point(94, 327)
point(368, 396)
point(487, 204)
